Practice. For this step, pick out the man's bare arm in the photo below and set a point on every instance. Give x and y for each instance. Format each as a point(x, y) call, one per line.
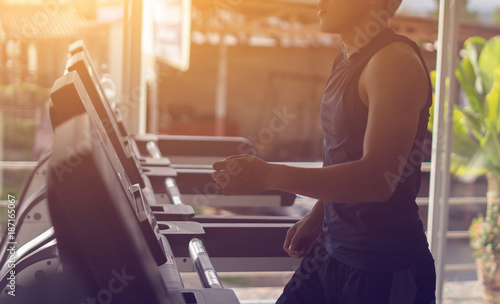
point(301, 236)
point(394, 85)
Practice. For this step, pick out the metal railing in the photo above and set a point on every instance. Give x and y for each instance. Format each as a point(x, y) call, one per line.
point(421, 201)
point(17, 165)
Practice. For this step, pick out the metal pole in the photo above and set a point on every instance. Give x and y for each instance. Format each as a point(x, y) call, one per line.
point(125, 59)
point(153, 110)
point(137, 83)
point(149, 70)
point(221, 93)
point(442, 137)
point(133, 86)
point(452, 52)
point(437, 138)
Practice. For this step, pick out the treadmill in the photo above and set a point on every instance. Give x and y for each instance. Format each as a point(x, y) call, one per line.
point(183, 151)
point(106, 235)
point(193, 179)
point(260, 243)
point(104, 232)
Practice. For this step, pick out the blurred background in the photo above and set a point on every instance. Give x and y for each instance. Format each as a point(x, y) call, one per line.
point(201, 67)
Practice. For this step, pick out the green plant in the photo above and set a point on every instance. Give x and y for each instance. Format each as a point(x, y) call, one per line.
point(18, 139)
point(479, 76)
point(485, 239)
point(476, 136)
point(476, 127)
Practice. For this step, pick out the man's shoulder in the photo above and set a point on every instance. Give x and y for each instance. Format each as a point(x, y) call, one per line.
point(396, 54)
point(398, 65)
point(397, 58)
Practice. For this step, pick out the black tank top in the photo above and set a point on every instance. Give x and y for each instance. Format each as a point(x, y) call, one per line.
point(379, 236)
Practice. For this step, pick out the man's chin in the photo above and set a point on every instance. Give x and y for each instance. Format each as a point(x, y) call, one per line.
point(338, 28)
point(325, 28)
point(328, 29)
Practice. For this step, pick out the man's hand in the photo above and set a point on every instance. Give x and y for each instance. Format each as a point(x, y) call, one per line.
point(300, 238)
point(242, 174)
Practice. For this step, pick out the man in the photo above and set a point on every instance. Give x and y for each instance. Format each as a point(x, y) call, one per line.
point(363, 242)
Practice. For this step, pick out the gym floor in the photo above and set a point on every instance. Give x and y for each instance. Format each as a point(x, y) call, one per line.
point(248, 287)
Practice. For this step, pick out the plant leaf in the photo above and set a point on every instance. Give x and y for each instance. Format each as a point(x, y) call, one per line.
point(492, 103)
point(464, 143)
point(466, 76)
point(472, 121)
point(491, 147)
point(474, 47)
point(489, 61)
point(430, 125)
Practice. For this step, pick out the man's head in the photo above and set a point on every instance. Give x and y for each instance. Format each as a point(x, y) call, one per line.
point(340, 16)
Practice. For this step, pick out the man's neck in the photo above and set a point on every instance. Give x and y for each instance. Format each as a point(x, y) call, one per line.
point(361, 35)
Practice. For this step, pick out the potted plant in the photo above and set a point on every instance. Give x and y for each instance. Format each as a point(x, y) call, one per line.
point(476, 150)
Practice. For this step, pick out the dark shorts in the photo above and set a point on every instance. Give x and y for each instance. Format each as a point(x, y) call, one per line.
point(322, 279)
